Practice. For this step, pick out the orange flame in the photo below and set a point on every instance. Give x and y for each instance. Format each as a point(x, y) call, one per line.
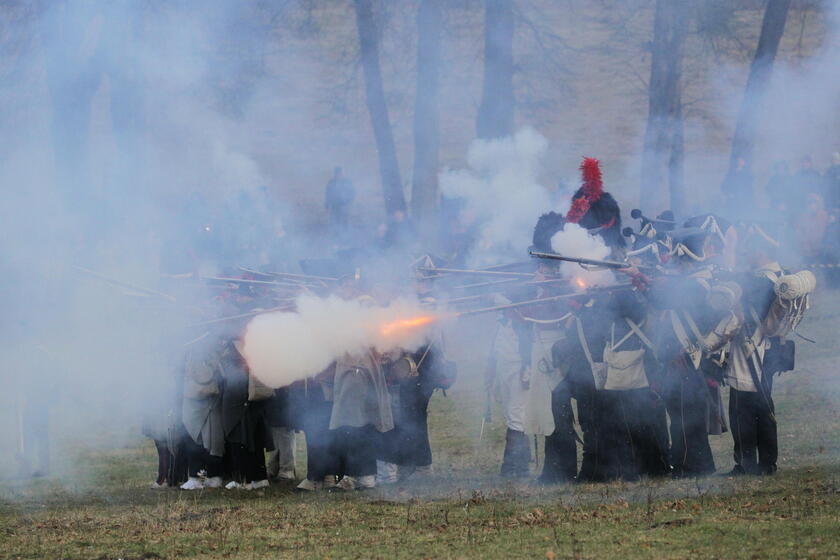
point(580, 283)
point(405, 324)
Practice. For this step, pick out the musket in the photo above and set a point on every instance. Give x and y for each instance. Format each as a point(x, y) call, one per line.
point(228, 280)
point(584, 261)
point(636, 214)
point(596, 289)
point(124, 285)
point(484, 284)
point(510, 281)
point(487, 417)
point(240, 316)
point(476, 272)
point(290, 275)
point(274, 284)
point(494, 283)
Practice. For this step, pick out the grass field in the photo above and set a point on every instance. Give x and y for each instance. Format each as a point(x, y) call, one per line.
point(465, 510)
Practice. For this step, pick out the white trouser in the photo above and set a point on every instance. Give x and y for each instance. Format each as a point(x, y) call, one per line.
point(508, 367)
point(281, 461)
point(514, 399)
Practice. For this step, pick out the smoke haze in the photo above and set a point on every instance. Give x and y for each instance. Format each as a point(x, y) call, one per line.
point(282, 348)
point(143, 139)
point(575, 241)
point(500, 185)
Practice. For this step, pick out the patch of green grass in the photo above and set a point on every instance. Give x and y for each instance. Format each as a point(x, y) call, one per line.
point(792, 515)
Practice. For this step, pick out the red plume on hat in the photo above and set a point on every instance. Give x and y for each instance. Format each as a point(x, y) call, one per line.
point(590, 191)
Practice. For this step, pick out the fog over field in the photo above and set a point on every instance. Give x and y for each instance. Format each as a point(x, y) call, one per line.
point(140, 137)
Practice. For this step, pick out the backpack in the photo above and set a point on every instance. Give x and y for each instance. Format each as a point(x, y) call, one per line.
point(200, 380)
point(625, 369)
point(790, 304)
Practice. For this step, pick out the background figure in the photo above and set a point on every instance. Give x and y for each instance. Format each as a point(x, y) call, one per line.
point(201, 413)
point(311, 403)
point(808, 180)
point(38, 393)
point(338, 197)
point(163, 425)
point(811, 227)
point(35, 434)
point(831, 239)
point(831, 185)
point(779, 189)
point(407, 445)
point(737, 189)
point(400, 232)
point(361, 413)
point(243, 417)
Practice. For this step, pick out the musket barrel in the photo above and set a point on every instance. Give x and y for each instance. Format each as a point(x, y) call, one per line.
point(584, 261)
point(124, 285)
point(476, 272)
point(559, 297)
point(290, 275)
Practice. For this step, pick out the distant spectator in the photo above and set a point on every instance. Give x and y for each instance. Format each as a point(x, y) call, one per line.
point(831, 181)
point(400, 232)
point(738, 189)
point(808, 180)
point(811, 227)
point(779, 188)
point(338, 198)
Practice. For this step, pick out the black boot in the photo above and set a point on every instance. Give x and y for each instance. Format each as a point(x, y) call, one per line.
point(517, 455)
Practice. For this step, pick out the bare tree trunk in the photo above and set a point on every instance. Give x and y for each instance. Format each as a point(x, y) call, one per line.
point(389, 168)
point(73, 76)
point(670, 28)
point(424, 191)
point(495, 115)
point(676, 166)
point(121, 40)
point(772, 28)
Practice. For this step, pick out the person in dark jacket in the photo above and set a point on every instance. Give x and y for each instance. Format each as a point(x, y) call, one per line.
point(338, 197)
point(737, 189)
point(407, 445)
point(243, 418)
point(780, 189)
point(311, 407)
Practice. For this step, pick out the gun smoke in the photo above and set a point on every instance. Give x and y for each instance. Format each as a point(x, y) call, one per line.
point(282, 348)
point(141, 161)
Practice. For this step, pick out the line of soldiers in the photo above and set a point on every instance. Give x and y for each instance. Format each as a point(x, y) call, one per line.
point(637, 367)
point(645, 362)
point(364, 417)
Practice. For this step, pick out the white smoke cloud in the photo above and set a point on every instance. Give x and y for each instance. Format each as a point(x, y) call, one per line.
point(282, 347)
point(575, 241)
point(501, 188)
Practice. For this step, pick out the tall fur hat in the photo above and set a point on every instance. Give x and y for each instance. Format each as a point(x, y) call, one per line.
point(595, 209)
point(547, 225)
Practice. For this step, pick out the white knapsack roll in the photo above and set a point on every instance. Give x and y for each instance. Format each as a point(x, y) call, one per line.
point(794, 286)
point(790, 304)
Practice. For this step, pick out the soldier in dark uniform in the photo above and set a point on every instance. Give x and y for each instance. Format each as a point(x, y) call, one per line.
point(598, 212)
point(311, 407)
point(634, 425)
point(551, 320)
point(688, 329)
point(201, 412)
point(407, 445)
point(243, 418)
